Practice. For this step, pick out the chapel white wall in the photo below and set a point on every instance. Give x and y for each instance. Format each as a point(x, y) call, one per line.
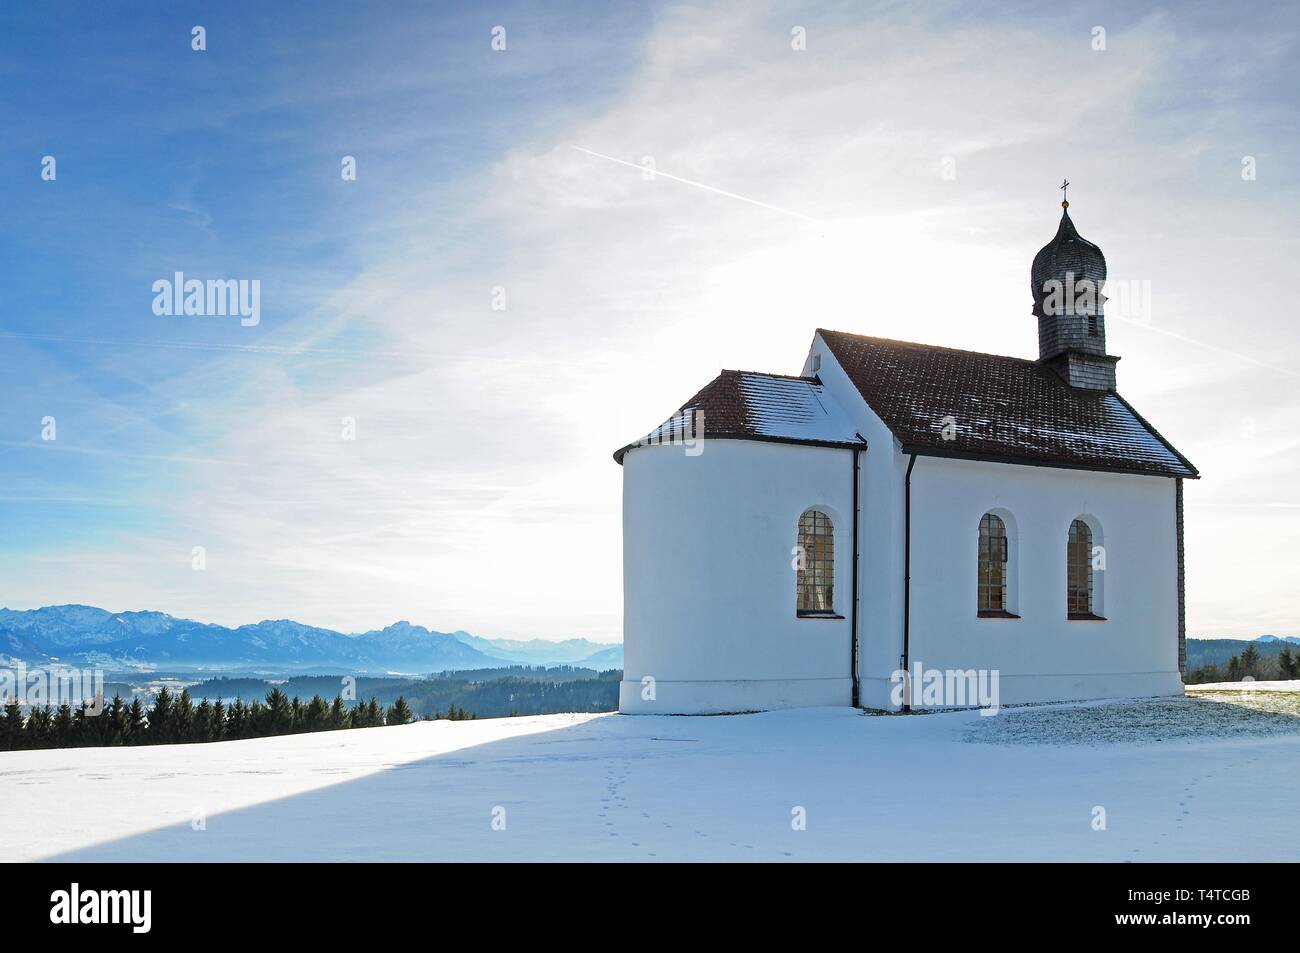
point(709, 589)
point(1042, 656)
point(881, 607)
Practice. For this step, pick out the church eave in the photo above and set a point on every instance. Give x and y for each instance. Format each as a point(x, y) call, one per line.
point(924, 451)
point(622, 452)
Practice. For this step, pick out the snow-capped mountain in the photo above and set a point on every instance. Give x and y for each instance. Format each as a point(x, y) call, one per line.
point(85, 634)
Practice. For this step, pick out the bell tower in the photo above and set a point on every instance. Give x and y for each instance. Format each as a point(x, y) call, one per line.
point(1066, 281)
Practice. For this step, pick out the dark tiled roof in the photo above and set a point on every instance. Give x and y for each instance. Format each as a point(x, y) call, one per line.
point(748, 406)
point(1003, 408)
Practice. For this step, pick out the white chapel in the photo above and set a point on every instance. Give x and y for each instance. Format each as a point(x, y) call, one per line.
point(899, 507)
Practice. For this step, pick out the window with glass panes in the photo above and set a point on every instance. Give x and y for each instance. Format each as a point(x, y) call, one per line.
point(1078, 571)
point(993, 564)
point(815, 572)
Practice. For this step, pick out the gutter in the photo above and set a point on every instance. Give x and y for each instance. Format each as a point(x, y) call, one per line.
point(1191, 473)
point(1182, 579)
point(853, 625)
point(622, 452)
point(907, 583)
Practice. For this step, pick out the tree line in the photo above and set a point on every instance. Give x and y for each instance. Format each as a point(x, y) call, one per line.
point(1250, 663)
point(175, 719)
point(489, 693)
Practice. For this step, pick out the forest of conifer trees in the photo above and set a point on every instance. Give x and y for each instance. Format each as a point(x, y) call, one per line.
point(1249, 664)
point(175, 719)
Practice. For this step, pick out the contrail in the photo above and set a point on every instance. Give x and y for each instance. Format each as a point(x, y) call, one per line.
point(288, 350)
point(1247, 505)
point(200, 345)
point(1212, 347)
point(700, 185)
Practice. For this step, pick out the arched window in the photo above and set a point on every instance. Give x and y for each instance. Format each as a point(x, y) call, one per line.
point(1078, 571)
point(815, 569)
point(993, 566)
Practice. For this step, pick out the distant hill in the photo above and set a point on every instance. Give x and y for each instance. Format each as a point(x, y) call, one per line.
point(597, 655)
point(1218, 651)
point(87, 636)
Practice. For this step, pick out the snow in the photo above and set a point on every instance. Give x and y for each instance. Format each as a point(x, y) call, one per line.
point(618, 787)
point(1150, 721)
point(1238, 687)
point(794, 409)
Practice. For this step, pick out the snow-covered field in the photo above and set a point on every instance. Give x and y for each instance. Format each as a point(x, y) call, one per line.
point(1238, 688)
point(1178, 780)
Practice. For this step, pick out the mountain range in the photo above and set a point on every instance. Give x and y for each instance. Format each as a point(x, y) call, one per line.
point(87, 636)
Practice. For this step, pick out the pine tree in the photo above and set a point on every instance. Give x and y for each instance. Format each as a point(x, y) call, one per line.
point(202, 730)
point(160, 718)
point(217, 727)
point(115, 718)
point(183, 718)
point(399, 713)
point(39, 732)
point(316, 715)
point(279, 713)
point(237, 720)
point(61, 728)
point(258, 720)
point(79, 738)
point(91, 723)
point(374, 713)
point(11, 727)
point(137, 723)
point(338, 714)
point(1288, 664)
point(1250, 662)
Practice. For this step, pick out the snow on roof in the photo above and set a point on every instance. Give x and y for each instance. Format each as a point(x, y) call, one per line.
point(745, 405)
point(941, 401)
point(936, 401)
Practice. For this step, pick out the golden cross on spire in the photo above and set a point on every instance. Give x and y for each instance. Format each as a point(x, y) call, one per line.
point(1065, 196)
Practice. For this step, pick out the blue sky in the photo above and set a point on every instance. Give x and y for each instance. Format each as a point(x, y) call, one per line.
point(479, 492)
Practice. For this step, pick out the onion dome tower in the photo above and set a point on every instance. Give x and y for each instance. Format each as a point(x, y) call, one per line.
point(1066, 281)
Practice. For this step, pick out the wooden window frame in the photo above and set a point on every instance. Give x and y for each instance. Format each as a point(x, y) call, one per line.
point(814, 594)
point(1080, 584)
point(993, 570)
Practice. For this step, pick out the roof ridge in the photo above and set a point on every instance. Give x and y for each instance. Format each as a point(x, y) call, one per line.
point(786, 377)
point(928, 347)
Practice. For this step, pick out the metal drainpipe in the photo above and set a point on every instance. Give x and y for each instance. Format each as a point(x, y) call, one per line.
point(907, 584)
point(853, 624)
